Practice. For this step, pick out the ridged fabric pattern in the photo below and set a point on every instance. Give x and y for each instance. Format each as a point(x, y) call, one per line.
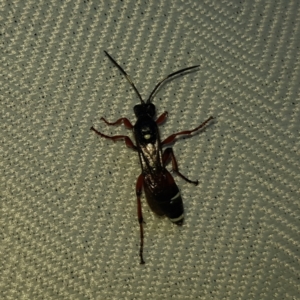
point(68, 219)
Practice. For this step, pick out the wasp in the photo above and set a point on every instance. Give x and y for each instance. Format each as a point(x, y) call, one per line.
point(162, 193)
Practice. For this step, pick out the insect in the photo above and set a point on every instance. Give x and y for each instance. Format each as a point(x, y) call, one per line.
point(162, 194)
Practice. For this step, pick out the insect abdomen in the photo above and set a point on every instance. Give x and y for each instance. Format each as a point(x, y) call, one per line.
point(165, 198)
point(175, 210)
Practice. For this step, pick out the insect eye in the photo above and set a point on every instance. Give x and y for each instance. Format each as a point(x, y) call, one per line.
point(138, 110)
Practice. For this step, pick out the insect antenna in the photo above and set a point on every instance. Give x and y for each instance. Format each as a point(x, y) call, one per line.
point(169, 76)
point(126, 75)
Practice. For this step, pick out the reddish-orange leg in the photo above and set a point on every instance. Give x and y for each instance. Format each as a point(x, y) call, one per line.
point(138, 189)
point(125, 121)
point(140, 180)
point(161, 118)
point(127, 139)
point(115, 138)
point(172, 137)
point(168, 153)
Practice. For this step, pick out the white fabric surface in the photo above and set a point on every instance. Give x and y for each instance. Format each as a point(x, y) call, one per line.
point(69, 228)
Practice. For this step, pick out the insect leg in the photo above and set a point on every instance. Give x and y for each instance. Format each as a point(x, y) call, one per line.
point(138, 189)
point(168, 153)
point(172, 137)
point(128, 141)
point(125, 121)
point(162, 118)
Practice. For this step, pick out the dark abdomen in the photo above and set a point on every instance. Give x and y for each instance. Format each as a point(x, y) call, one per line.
point(163, 195)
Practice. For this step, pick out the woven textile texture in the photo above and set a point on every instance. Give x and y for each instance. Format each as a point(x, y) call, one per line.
point(68, 217)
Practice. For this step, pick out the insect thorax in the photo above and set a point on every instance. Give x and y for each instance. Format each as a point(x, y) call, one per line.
point(145, 130)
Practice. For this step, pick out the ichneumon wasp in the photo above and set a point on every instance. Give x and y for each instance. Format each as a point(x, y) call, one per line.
point(161, 191)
